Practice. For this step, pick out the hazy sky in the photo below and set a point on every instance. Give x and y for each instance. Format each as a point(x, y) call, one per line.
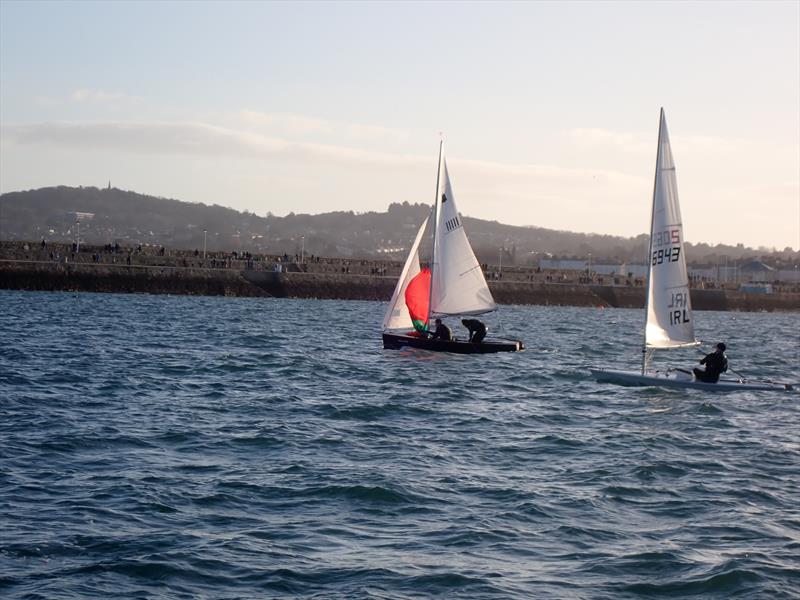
point(550, 110)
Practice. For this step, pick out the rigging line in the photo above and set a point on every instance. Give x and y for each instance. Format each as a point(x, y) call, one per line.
point(469, 270)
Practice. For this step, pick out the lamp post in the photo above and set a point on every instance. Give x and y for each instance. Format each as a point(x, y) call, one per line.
point(500, 268)
point(205, 232)
point(302, 249)
point(78, 242)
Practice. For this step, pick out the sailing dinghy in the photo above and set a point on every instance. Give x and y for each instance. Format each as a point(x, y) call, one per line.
point(454, 286)
point(669, 322)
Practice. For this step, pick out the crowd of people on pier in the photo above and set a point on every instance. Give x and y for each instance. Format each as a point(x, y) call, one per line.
point(144, 257)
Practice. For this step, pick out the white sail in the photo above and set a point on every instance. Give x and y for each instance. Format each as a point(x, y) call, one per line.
point(669, 311)
point(397, 316)
point(458, 286)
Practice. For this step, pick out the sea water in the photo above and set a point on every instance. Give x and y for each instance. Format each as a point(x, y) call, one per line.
point(180, 447)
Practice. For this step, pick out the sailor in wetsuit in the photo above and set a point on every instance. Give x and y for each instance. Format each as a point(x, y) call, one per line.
point(477, 330)
point(716, 363)
point(442, 331)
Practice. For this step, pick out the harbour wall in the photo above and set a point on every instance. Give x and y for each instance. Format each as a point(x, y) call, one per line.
point(121, 278)
point(79, 277)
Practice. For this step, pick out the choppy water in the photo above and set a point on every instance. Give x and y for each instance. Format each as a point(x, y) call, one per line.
point(172, 447)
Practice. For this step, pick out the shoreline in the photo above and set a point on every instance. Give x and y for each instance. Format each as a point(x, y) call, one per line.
point(33, 275)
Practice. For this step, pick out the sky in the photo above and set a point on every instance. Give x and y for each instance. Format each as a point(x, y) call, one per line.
point(549, 110)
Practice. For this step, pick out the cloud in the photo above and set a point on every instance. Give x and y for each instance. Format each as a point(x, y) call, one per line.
point(210, 140)
point(290, 123)
point(356, 130)
point(637, 143)
point(546, 172)
point(202, 139)
point(293, 124)
point(46, 101)
point(546, 194)
point(86, 96)
point(605, 138)
point(708, 144)
point(542, 192)
point(193, 139)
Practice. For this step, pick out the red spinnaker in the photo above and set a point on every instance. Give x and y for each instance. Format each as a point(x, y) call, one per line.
point(418, 299)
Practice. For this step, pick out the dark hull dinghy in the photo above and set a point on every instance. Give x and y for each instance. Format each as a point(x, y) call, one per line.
point(398, 341)
point(454, 285)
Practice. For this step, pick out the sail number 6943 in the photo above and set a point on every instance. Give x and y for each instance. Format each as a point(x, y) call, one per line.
point(666, 255)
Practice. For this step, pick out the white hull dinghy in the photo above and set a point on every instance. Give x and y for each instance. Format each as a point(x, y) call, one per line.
point(679, 378)
point(669, 323)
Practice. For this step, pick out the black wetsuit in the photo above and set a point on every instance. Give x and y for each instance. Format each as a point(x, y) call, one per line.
point(715, 363)
point(477, 330)
point(442, 332)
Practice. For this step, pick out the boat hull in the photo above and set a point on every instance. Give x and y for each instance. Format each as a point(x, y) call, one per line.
point(398, 341)
point(682, 379)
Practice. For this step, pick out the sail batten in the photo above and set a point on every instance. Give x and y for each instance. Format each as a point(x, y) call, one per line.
point(462, 314)
point(669, 321)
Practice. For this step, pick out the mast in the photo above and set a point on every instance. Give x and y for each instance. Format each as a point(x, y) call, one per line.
point(650, 245)
point(435, 226)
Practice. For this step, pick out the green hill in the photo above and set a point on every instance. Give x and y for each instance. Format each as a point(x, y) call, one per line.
point(128, 218)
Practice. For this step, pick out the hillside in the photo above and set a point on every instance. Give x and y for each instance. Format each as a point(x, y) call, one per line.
point(129, 218)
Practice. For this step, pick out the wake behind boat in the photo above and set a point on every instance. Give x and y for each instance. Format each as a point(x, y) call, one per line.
point(453, 286)
point(669, 323)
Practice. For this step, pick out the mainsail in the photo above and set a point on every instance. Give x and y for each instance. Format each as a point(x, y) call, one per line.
point(669, 309)
point(397, 316)
point(458, 286)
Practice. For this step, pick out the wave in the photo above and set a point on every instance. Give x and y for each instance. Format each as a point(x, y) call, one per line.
point(191, 447)
point(374, 494)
